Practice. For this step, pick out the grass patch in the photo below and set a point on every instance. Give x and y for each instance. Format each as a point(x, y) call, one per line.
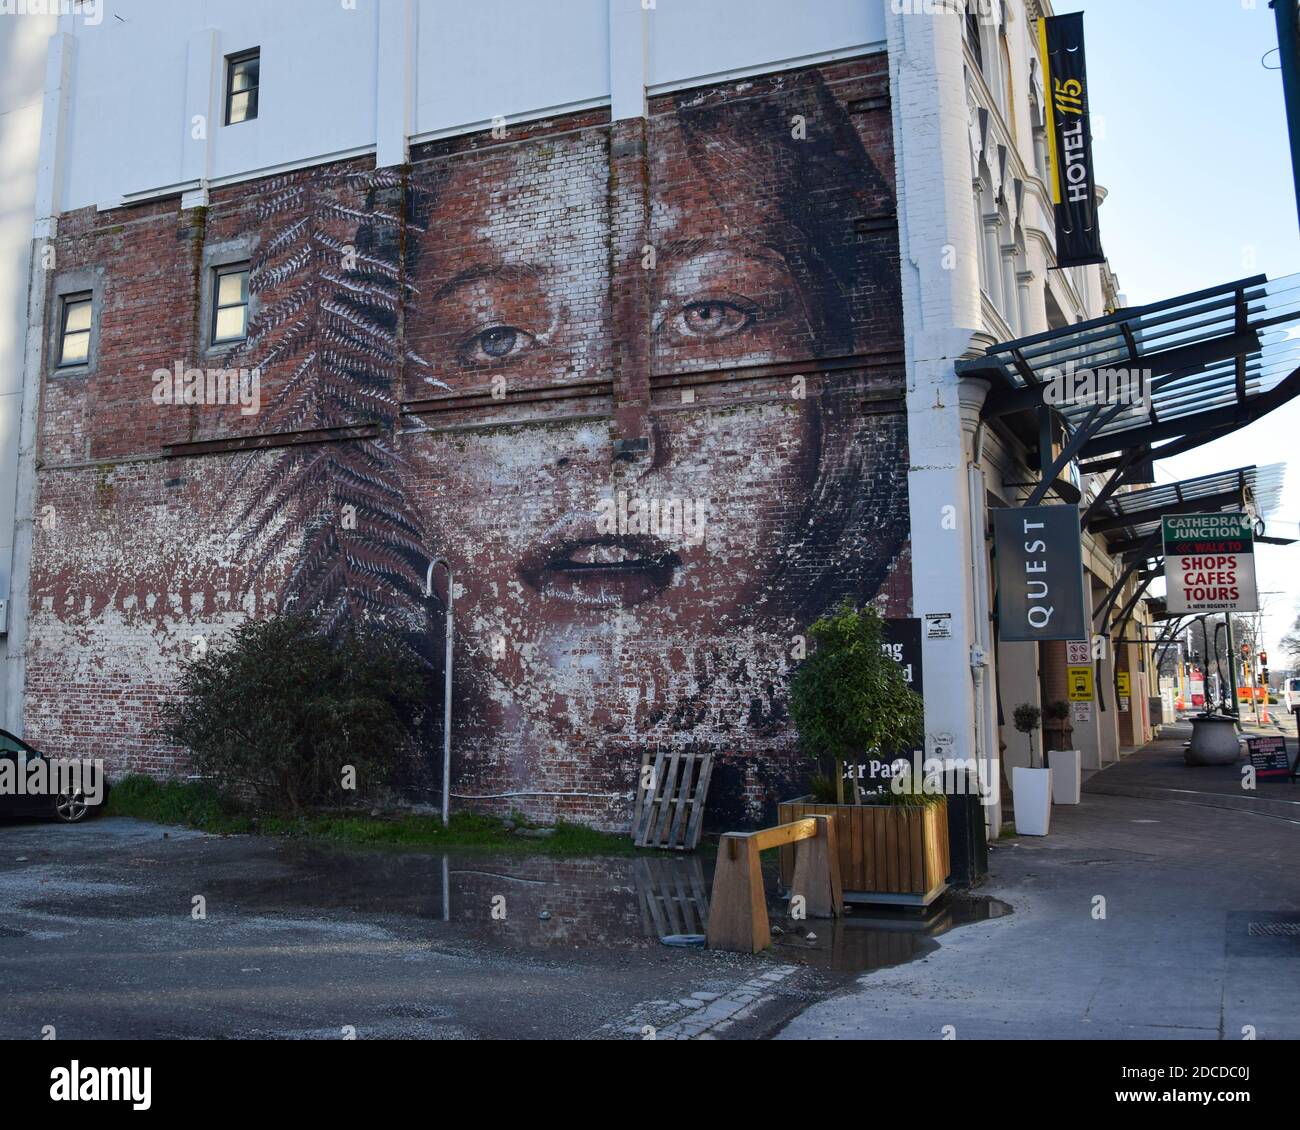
point(196, 804)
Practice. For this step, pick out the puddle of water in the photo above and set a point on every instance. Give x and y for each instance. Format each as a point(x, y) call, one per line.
point(612, 902)
point(871, 937)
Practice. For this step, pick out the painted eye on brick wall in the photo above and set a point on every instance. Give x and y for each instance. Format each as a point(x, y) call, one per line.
point(497, 343)
point(709, 319)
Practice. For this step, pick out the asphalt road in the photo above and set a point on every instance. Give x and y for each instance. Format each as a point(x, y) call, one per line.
point(101, 936)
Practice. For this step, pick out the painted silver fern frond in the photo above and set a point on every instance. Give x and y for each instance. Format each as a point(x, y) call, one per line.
point(331, 284)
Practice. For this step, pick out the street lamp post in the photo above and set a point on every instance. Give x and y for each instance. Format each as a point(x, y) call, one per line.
point(1234, 706)
point(446, 688)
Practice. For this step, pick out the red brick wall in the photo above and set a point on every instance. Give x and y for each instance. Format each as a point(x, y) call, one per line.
point(698, 310)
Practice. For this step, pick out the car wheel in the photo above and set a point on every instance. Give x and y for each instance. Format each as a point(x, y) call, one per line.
point(71, 807)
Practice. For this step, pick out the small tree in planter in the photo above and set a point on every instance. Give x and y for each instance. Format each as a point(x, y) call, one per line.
point(1059, 754)
point(1027, 718)
point(849, 700)
point(1031, 788)
point(1056, 728)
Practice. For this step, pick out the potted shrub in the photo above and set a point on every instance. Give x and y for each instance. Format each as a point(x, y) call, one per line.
point(1066, 763)
point(1031, 788)
point(850, 702)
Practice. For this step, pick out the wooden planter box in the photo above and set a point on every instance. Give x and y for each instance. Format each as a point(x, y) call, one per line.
point(888, 853)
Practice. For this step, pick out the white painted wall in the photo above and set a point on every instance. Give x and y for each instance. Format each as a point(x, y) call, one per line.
point(694, 40)
point(342, 77)
point(490, 58)
point(22, 77)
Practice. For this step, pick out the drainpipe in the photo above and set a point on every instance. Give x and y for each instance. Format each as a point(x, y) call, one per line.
point(972, 393)
point(446, 691)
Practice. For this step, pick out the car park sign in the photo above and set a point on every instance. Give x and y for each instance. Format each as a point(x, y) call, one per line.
point(1210, 563)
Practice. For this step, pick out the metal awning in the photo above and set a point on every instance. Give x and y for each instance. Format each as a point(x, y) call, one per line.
point(1217, 360)
point(1129, 517)
point(1131, 522)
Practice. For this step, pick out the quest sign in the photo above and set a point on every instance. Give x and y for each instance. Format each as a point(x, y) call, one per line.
point(1210, 563)
point(1040, 573)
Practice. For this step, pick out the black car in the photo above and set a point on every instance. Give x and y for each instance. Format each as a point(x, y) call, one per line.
point(70, 807)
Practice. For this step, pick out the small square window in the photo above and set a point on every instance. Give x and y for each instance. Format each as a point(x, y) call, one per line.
point(230, 304)
point(74, 334)
point(241, 86)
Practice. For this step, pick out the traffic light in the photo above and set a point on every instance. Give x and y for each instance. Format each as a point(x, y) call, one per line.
point(1263, 658)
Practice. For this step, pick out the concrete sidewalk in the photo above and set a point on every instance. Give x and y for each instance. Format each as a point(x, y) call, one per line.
point(1158, 771)
point(1166, 905)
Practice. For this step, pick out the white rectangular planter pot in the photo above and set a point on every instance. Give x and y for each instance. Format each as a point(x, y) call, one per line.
point(1067, 775)
point(1033, 800)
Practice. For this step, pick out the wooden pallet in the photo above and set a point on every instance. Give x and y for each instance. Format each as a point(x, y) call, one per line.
point(672, 895)
point(670, 813)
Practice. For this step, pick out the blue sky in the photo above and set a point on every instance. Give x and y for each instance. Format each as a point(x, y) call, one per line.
point(1192, 147)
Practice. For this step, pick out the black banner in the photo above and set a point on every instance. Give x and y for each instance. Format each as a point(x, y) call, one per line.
point(1069, 132)
point(903, 644)
point(1040, 574)
point(350, 1080)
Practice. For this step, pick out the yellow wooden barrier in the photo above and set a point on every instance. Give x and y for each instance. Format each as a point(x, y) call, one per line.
point(738, 909)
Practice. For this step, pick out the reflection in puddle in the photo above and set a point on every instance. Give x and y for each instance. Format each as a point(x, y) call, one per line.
point(870, 937)
point(614, 902)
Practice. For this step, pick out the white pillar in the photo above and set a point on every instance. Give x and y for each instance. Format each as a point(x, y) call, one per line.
point(49, 196)
point(1011, 300)
point(396, 44)
point(629, 44)
point(203, 113)
point(993, 257)
point(942, 324)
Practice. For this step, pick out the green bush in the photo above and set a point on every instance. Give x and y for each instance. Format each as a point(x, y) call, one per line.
point(275, 715)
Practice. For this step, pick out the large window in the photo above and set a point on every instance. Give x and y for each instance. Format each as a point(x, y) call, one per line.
point(230, 303)
point(242, 73)
point(74, 330)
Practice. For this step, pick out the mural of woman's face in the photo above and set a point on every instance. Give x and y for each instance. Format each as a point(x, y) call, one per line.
point(597, 595)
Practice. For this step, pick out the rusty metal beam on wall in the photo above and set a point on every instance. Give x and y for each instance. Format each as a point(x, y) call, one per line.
point(268, 440)
point(812, 366)
point(457, 401)
point(670, 382)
